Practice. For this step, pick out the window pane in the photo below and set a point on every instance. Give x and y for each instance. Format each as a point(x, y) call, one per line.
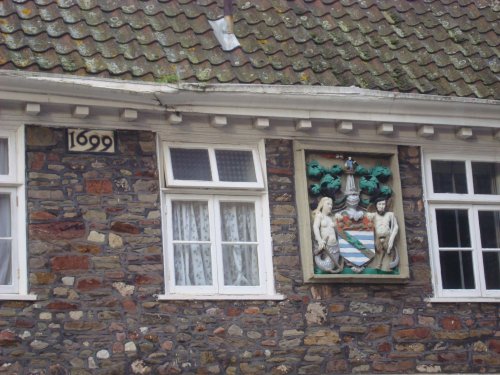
point(190, 164)
point(238, 221)
point(456, 269)
point(5, 262)
point(5, 215)
point(489, 226)
point(241, 266)
point(193, 264)
point(449, 177)
point(4, 156)
point(486, 178)
point(453, 228)
point(190, 221)
point(235, 166)
point(491, 260)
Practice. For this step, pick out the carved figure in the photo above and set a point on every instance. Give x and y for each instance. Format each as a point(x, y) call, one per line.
point(327, 253)
point(386, 229)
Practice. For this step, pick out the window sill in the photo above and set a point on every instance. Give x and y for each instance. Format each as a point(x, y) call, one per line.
point(463, 299)
point(221, 297)
point(17, 297)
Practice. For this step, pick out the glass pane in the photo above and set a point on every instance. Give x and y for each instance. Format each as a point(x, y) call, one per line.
point(235, 166)
point(456, 269)
point(491, 260)
point(238, 221)
point(4, 156)
point(489, 226)
point(449, 177)
point(193, 264)
point(190, 221)
point(5, 216)
point(241, 266)
point(486, 178)
point(453, 228)
point(190, 164)
point(5, 262)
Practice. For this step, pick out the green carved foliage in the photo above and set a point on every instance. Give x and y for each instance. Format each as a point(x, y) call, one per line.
point(315, 170)
point(381, 173)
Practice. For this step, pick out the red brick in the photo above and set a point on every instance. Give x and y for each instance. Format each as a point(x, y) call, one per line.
point(37, 161)
point(88, 283)
point(24, 323)
point(494, 345)
point(98, 186)
point(87, 249)
point(385, 347)
point(377, 332)
point(61, 305)
point(42, 215)
point(252, 310)
point(413, 334)
point(69, 262)
point(450, 357)
point(129, 306)
point(148, 280)
point(233, 311)
point(394, 367)
point(63, 230)
point(8, 338)
point(121, 227)
point(451, 323)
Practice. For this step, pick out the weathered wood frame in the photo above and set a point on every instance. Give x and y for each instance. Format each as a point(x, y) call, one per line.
point(304, 214)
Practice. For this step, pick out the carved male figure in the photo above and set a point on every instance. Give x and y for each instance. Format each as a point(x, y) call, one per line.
point(386, 229)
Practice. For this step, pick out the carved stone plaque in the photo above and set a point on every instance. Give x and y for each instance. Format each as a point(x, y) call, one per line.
point(89, 140)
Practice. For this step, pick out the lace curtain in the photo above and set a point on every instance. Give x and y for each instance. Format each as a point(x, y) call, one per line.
point(5, 244)
point(192, 257)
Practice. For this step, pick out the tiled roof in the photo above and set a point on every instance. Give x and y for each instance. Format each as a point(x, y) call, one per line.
point(442, 47)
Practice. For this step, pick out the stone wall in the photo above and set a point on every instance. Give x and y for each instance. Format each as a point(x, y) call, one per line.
point(95, 262)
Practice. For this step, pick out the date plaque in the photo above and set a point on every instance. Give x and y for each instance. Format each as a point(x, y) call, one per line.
point(90, 140)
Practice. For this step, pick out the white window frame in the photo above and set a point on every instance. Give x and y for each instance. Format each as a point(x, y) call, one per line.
point(14, 184)
point(471, 202)
point(215, 192)
point(215, 183)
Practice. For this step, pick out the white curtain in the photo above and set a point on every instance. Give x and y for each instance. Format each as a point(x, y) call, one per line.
point(193, 264)
point(5, 243)
point(240, 260)
point(4, 156)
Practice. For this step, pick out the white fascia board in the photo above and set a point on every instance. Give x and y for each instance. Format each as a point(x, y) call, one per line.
point(67, 89)
point(271, 101)
point(336, 103)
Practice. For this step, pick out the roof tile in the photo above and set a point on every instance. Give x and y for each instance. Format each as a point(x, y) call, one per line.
point(443, 47)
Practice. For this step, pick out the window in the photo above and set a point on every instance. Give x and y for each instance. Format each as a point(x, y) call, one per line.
point(13, 281)
point(216, 223)
point(464, 204)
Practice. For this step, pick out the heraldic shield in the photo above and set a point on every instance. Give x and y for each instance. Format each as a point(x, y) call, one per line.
point(357, 246)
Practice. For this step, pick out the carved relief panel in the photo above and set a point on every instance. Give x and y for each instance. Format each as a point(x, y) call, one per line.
point(350, 209)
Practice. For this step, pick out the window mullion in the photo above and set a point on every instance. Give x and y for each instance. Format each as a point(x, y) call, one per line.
point(215, 230)
point(478, 252)
point(213, 164)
